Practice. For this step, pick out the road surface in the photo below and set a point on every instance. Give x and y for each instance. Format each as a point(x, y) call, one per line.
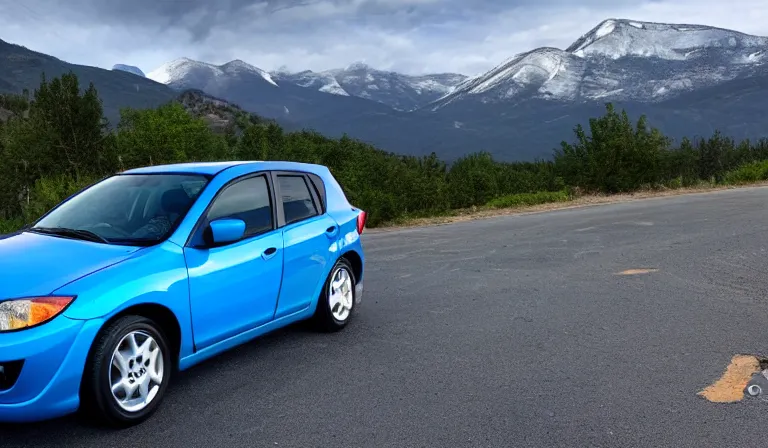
point(510, 331)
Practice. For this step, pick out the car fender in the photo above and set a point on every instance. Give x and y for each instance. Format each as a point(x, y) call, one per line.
point(157, 276)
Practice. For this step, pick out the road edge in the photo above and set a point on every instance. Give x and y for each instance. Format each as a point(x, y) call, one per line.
point(558, 206)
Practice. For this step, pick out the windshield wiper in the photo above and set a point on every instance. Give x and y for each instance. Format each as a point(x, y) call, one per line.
point(144, 242)
point(86, 235)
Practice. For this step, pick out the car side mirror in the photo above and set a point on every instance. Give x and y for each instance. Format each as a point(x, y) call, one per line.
point(223, 231)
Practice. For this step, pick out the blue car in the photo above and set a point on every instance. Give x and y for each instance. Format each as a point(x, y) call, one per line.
point(156, 269)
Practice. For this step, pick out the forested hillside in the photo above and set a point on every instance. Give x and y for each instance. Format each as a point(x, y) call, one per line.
point(55, 140)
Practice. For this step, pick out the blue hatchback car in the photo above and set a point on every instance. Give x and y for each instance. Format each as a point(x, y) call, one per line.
point(156, 269)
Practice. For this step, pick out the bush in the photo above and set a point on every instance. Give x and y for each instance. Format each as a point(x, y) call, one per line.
point(10, 225)
point(528, 199)
point(50, 191)
point(748, 173)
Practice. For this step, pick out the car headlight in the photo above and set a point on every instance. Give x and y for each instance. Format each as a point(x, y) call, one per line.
point(28, 312)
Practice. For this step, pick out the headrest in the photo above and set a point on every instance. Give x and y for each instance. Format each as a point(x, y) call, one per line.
point(175, 201)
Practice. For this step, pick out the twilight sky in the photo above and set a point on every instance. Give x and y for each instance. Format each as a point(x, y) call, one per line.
point(410, 36)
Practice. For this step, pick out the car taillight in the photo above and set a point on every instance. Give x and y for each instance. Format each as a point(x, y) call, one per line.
point(361, 219)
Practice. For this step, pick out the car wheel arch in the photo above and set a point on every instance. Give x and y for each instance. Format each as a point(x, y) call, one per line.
point(350, 256)
point(356, 261)
point(161, 315)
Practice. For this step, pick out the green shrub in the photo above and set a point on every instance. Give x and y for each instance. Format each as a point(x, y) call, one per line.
point(748, 173)
point(48, 192)
point(528, 199)
point(10, 225)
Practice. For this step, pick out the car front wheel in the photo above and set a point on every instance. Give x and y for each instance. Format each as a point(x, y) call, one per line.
point(337, 301)
point(128, 372)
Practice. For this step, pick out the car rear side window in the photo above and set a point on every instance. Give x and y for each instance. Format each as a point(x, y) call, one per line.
point(297, 200)
point(248, 200)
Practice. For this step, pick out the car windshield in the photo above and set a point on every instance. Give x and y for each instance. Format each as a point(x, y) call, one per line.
point(125, 209)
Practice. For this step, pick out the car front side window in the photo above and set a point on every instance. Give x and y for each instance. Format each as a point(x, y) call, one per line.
point(248, 200)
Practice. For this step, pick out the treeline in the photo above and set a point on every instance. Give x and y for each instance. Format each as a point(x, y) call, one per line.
point(55, 141)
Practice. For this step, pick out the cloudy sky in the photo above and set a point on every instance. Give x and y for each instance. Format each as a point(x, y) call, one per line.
point(411, 36)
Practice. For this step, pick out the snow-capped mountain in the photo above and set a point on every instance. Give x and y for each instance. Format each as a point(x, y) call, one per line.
point(184, 73)
point(258, 91)
point(687, 79)
point(546, 71)
point(322, 82)
point(399, 91)
point(615, 39)
point(129, 68)
point(621, 60)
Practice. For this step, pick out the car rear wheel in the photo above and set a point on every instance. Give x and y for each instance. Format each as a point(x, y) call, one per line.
point(337, 301)
point(127, 373)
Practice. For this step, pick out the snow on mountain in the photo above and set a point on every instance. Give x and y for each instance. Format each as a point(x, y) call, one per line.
point(324, 82)
point(237, 66)
point(187, 73)
point(129, 68)
point(177, 69)
point(621, 60)
point(441, 83)
point(615, 38)
point(550, 71)
point(399, 91)
point(617, 60)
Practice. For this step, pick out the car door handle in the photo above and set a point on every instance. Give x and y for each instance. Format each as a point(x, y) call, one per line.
point(269, 253)
point(331, 231)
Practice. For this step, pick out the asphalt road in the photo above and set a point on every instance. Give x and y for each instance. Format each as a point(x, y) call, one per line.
point(511, 331)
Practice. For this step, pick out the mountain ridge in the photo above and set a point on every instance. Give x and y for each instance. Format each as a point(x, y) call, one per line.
point(519, 110)
point(21, 69)
point(622, 60)
point(672, 31)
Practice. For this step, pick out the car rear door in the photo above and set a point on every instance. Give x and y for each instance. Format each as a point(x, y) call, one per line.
point(309, 239)
point(234, 288)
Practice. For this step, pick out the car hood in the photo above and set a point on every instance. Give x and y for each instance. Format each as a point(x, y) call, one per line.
point(34, 264)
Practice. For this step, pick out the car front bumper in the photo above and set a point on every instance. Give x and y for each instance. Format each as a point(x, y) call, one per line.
point(51, 358)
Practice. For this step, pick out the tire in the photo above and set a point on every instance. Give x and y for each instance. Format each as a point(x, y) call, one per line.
point(325, 319)
point(101, 372)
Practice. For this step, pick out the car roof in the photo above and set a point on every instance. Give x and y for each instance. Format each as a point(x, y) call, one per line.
point(214, 168)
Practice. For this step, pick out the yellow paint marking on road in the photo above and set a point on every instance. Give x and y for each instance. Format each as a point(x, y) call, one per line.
point(730, 387)
point(637, 271)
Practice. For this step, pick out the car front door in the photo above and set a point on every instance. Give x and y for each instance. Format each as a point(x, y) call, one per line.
point(309, 238)
point(234, 287)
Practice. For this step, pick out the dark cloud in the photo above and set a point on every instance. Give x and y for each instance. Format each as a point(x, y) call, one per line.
point(414, 36)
